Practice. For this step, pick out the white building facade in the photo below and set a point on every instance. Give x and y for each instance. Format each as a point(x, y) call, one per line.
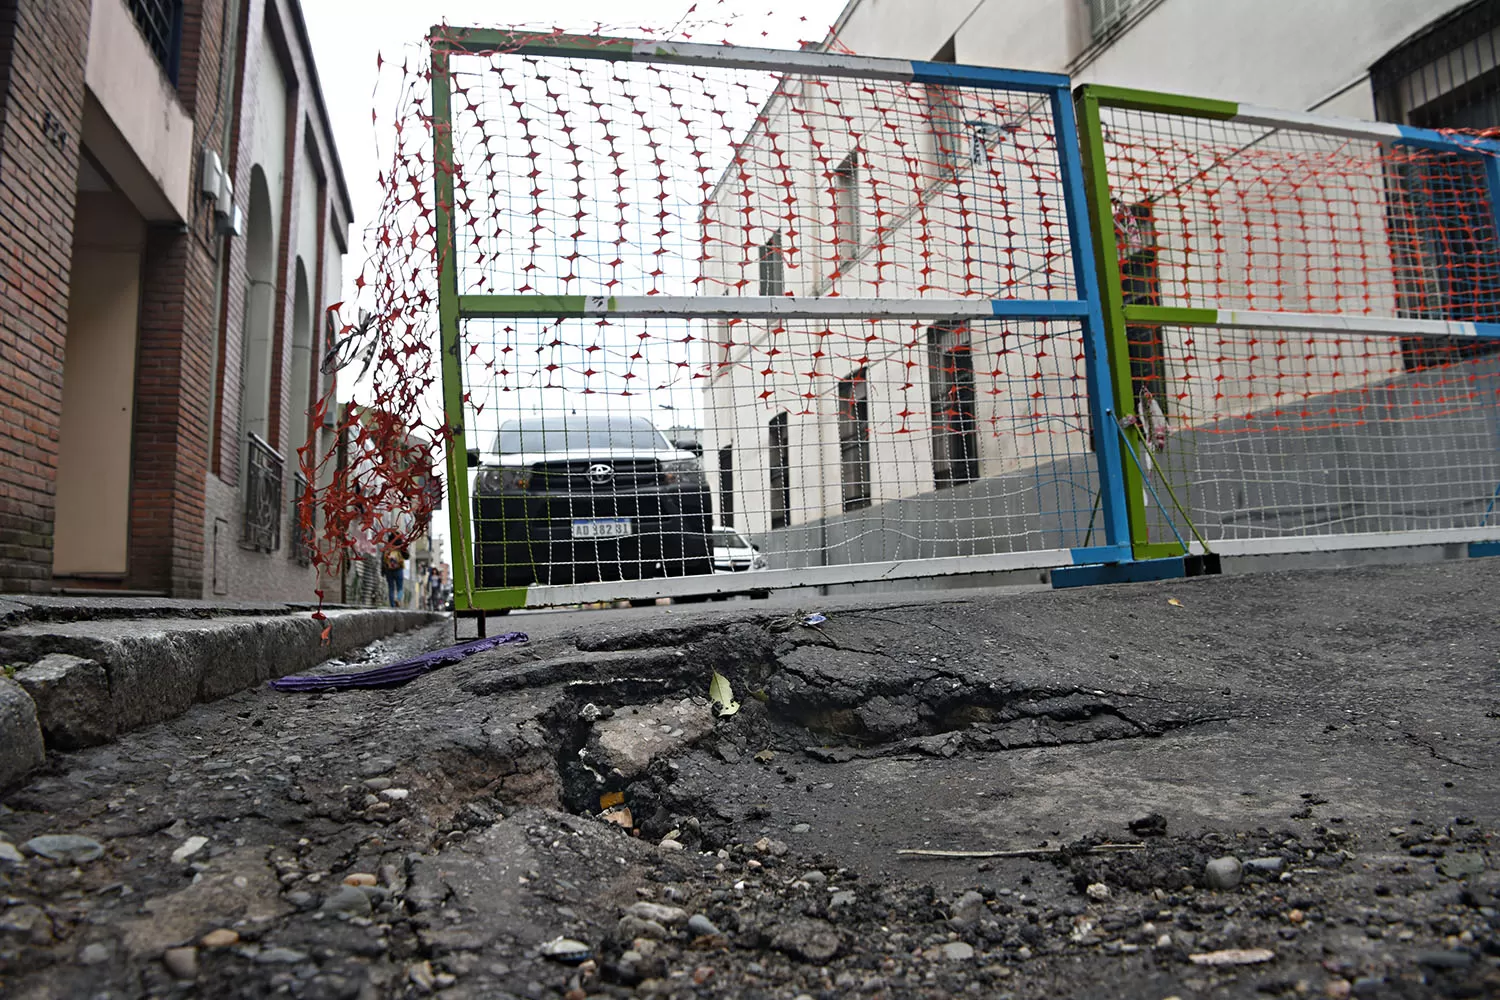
point(802, 423)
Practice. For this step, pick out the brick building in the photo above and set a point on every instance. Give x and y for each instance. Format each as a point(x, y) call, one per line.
point(173, 222)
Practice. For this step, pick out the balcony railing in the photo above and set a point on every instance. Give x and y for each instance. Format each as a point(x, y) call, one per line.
point(302, 538)
point(264, 469)
point(160, 22)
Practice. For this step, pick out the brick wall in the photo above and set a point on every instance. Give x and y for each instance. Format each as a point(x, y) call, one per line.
point(177, 341)
point(43, 116)
point(189, 335)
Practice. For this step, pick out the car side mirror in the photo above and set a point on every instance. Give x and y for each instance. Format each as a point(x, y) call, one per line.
point(688, 444)
point(473, 457)
point(754, 547)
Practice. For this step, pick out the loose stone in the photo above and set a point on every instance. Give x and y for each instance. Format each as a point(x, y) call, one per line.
point(1223, 873)
point(223, 937)
point(65, 847)
point(181, 962)
point(701, 926)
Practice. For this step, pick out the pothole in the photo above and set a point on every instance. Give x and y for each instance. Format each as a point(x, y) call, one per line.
point(626, 716)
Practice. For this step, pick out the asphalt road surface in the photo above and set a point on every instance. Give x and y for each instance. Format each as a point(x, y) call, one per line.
point(1270, 785)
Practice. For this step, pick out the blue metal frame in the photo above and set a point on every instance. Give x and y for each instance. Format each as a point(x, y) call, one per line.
point(958, 75)
point(1086, 307)
point(1426, 138)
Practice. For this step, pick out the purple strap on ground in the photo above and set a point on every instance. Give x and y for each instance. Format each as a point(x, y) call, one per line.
point(395, 674)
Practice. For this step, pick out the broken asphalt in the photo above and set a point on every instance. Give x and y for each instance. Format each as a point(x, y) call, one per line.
point(1331, 732)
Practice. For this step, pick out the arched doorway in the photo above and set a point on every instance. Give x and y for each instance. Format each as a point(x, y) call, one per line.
point(262, 468)
point(301, 394)
point(260, 300)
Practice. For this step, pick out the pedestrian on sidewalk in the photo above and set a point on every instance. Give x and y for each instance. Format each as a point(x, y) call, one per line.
point(393, 567)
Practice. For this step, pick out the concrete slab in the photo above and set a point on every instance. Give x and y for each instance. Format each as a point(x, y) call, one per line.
point(72, 700)
point(147, 670)
point(21, 747)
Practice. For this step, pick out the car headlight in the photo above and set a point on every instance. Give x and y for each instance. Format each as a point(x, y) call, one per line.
point(502, 480)
point(684, 472)
point(759, 563)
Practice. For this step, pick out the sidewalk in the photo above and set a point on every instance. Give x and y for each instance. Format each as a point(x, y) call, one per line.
point(80, 671)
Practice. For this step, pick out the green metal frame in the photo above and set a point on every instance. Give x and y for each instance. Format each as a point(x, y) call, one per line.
point(466, 595)
point(1088, 99)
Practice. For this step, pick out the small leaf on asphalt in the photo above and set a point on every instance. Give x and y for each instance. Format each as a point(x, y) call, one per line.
point(1174, 602)
point(765, 756)
point(722, 696)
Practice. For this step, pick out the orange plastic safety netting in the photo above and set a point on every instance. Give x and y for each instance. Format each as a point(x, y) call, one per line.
point(615, 177)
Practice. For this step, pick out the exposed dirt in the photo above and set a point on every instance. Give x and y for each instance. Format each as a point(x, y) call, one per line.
point(1332, 731)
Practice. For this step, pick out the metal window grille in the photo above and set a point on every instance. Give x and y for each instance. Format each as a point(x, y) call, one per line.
point(846, 210)
point(726, 487)
point(780, 448)
point(955, 436)
point(160, 22)
point(772, 267)
point(302, 536)
point(263, 473)
point(854, 439)
point(1106, 15)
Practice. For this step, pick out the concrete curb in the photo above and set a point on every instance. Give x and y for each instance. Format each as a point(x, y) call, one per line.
point(90, 681)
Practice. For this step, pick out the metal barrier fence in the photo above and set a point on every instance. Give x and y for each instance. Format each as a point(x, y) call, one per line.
point(1299, 311)
point(720, 319)
point(859, 294)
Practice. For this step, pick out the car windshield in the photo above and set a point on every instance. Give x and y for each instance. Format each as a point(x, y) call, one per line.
point(602, 435)
point(729, 540)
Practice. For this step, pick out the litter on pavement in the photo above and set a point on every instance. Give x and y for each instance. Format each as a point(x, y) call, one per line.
point(398, 673)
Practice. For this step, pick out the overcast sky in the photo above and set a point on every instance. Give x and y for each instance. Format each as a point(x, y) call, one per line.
point(347, 35)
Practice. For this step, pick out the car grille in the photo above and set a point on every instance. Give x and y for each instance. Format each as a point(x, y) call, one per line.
point(627, 476)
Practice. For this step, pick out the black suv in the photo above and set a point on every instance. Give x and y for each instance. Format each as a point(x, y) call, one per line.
point(580, 498)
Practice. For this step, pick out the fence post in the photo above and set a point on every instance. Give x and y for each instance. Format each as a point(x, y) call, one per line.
point(453, 390)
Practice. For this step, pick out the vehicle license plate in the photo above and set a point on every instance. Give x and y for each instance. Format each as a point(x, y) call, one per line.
point(602, 527)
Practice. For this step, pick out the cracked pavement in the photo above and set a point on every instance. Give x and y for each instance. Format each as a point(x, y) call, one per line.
point(1342, 722)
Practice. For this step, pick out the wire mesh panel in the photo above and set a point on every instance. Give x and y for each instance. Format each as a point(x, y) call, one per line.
point(845, 441)
point(1306, 437)
point(726, 319)
point(1240, 215)
point(1300, 309)
point(590, 176)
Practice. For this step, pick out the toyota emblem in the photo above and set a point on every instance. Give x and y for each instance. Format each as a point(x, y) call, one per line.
point(600, 474)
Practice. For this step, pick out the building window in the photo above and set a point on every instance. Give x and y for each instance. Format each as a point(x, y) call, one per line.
point(846, 211)
point(1107, 15)
point(854, 439)
point(950, 139)
point(781, 472)
point(160, 22)
point(1445, 76)
point(1140, 283)
point(726, 487)
point(955, 433)
point(772, 267)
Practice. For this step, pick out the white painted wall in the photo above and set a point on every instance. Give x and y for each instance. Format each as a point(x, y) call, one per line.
point(1286, 53)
